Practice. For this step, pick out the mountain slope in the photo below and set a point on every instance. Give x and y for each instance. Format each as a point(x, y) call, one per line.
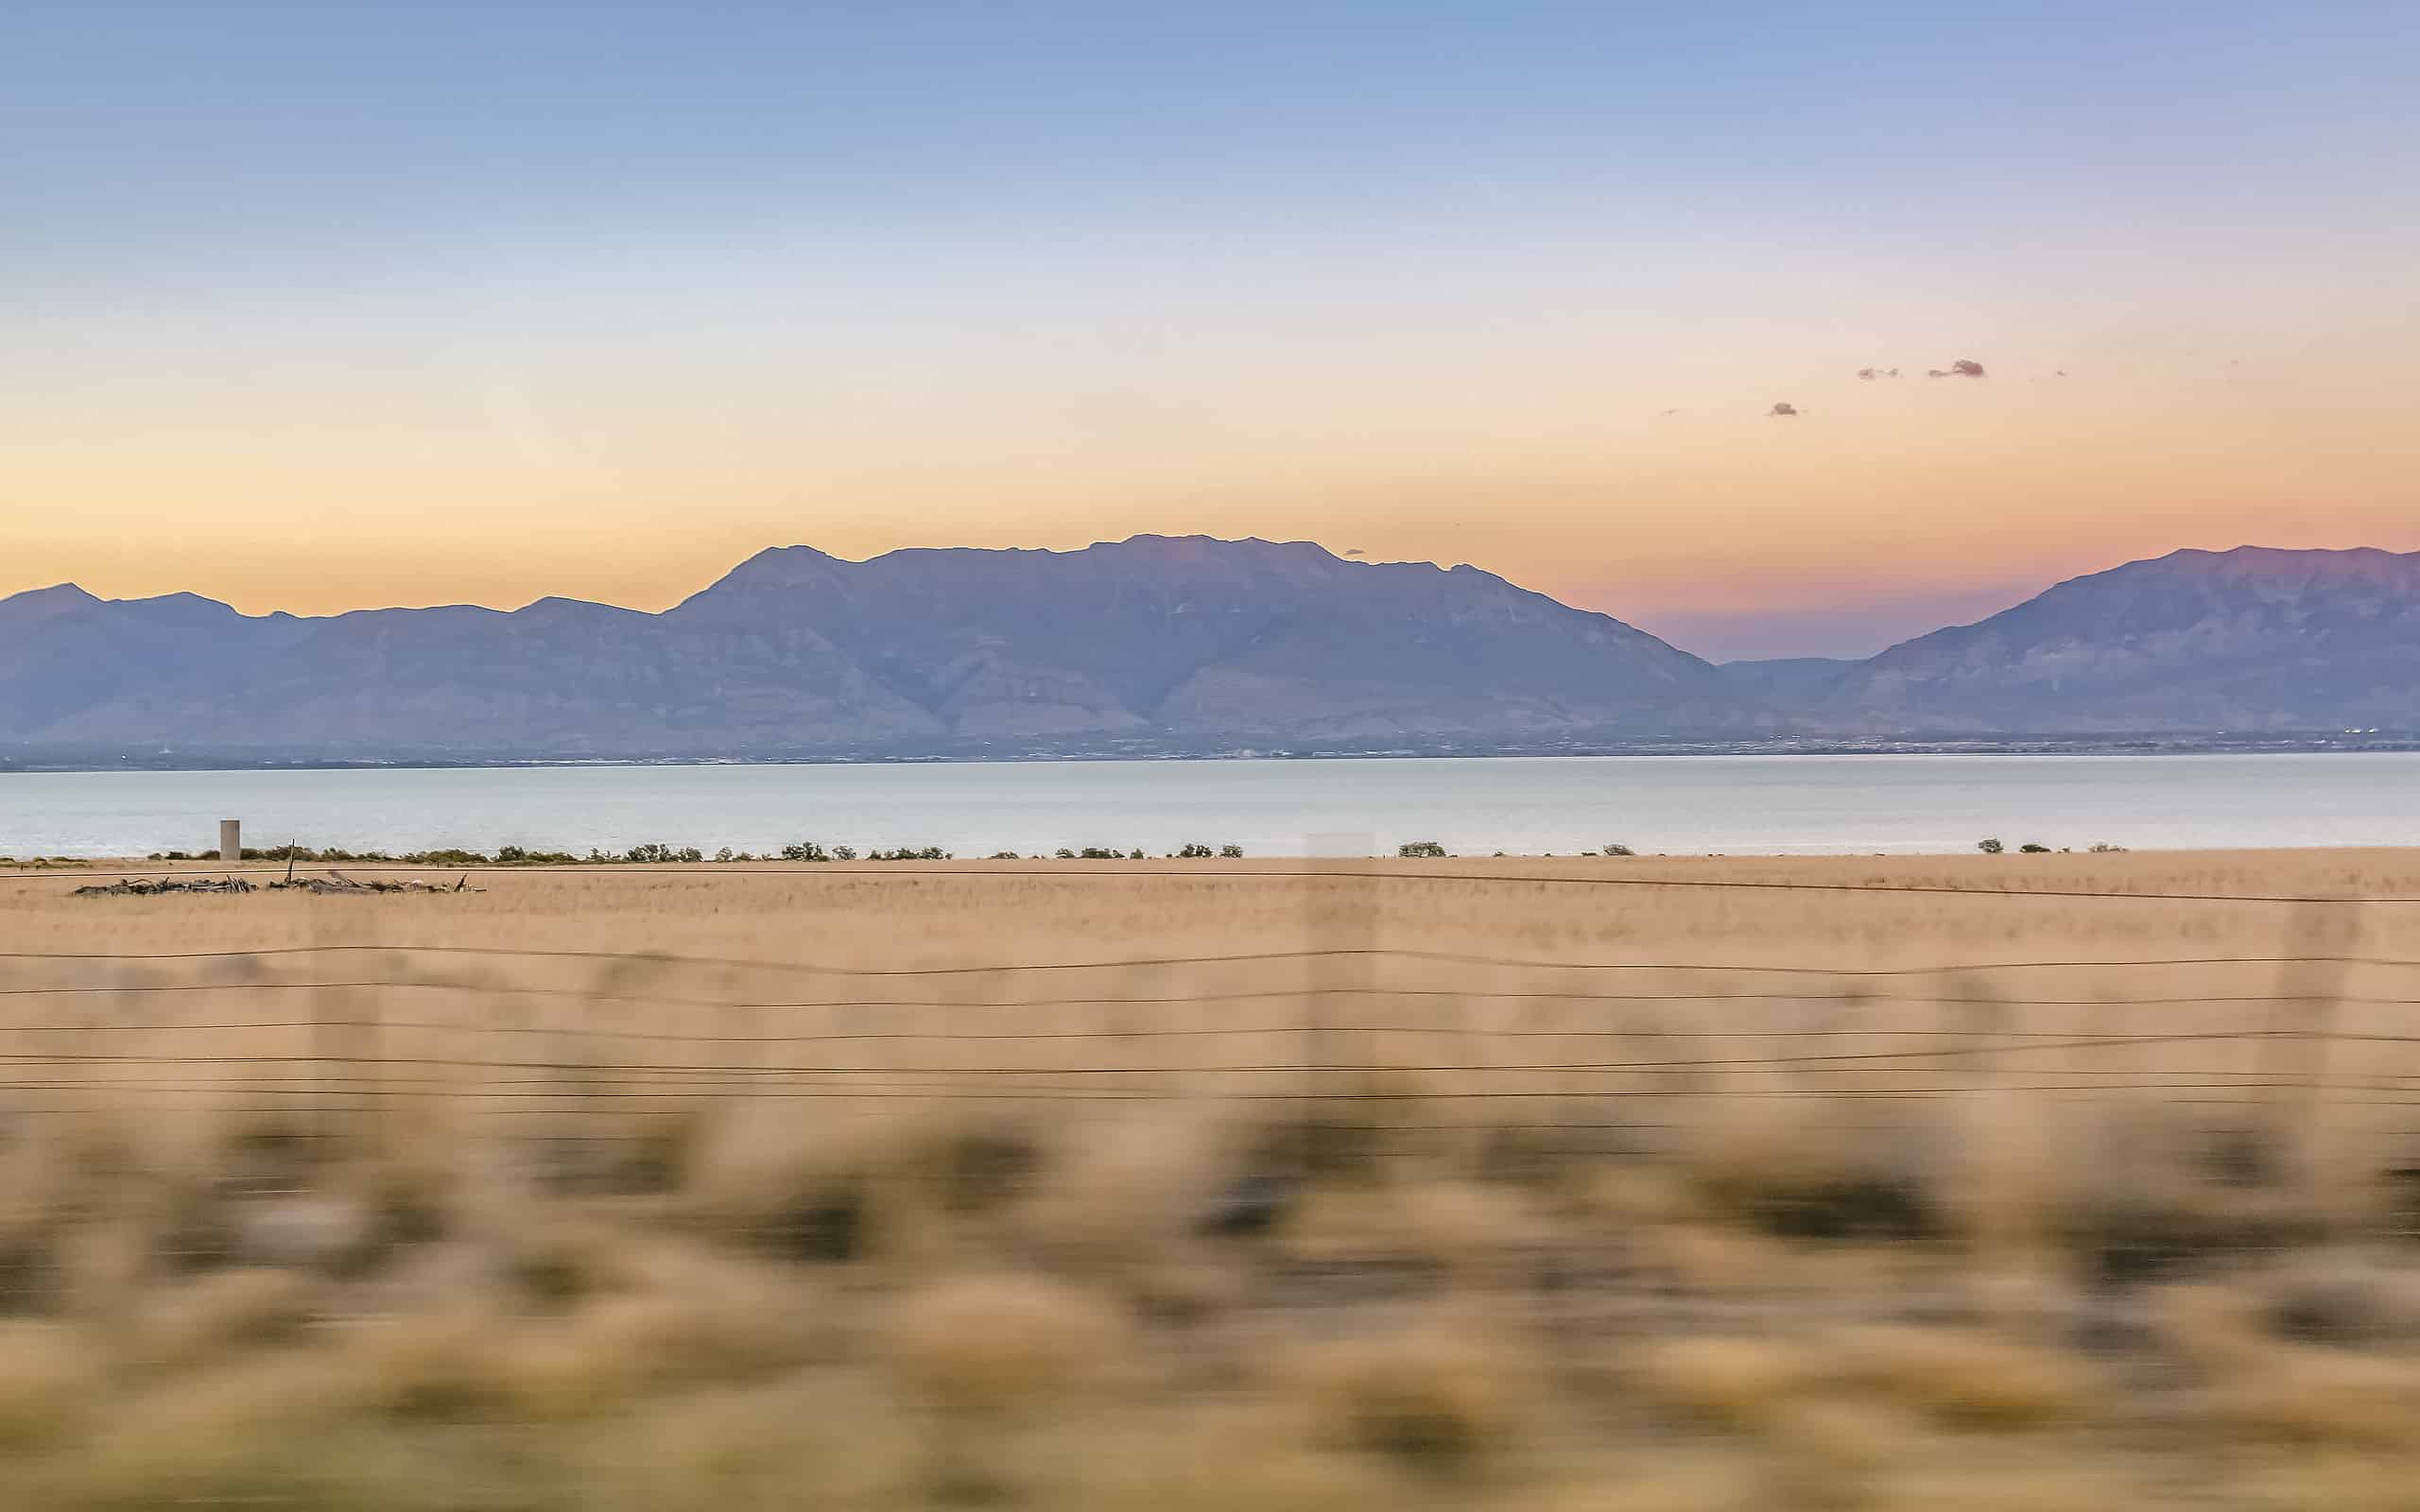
point(2245, 640)
point(1184, 643)
point(1188, 640)
point(1207, 636)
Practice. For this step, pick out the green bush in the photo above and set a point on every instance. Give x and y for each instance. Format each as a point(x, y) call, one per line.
point(1421, 850)
point(513, 855)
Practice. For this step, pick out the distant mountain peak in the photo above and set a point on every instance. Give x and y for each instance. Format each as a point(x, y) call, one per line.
point(773, 568)
point(57, 596)
point(2248, 639)
point(20, 611)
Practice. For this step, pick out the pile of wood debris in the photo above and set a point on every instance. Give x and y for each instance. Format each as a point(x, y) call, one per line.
point(334, 882)
point(337, 882)
point(140, 887)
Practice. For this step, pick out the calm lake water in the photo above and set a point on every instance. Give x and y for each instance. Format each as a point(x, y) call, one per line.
point(1734, 804)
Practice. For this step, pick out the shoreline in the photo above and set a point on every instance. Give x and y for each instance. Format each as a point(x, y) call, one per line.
point(1509, 867)
point(2307, 742)
point(1861, 804)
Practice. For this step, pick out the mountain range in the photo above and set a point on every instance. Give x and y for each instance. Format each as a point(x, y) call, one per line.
point(1181, 644)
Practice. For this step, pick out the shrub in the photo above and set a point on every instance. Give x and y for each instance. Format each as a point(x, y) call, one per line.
point(1990, 847)
point(1619, 851)
point(1962, 1379)
point(2032, 848)
point(1441, 1398)
point(431, 1368)
point(1733, 1383)
point(1194, 852)
point(930, 853)
point(277, 1431)
point(50, 1378)
point(449, 856)
point(198, 1322)
point(649, 854)
point(1006, 855)
point(1421, 850)
point(845, 853)
point(1231, 852)
point(2315, 1396)
point(806, 850)
point(2102, 848)
point(1000, 1346)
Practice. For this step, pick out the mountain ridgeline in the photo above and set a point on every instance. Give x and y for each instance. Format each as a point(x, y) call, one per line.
point(2248, 641)
point(1186, 641)
point(1179, 645)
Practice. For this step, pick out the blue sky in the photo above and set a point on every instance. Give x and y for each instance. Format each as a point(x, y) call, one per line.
point(604, 295)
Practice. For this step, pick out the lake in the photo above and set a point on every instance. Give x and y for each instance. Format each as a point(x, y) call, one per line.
point(1680, 804)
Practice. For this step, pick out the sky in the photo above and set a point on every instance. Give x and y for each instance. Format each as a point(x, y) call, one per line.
point(321, 307)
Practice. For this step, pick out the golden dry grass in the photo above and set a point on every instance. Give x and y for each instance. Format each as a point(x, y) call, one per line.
point(690, 1188)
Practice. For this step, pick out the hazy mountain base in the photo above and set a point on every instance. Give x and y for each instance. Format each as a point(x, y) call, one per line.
point(76, 758)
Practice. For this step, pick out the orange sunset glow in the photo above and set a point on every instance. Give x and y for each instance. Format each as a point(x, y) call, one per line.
point(627, 372)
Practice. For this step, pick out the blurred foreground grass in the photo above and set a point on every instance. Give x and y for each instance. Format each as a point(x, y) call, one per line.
point(641, 1233)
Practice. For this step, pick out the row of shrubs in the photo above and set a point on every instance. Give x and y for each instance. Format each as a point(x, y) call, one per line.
point(809, 850)
point(1435, 851)
point(2034, 848)
point(656, 853)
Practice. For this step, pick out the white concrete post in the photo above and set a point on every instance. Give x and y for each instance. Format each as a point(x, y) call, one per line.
point(231, 839)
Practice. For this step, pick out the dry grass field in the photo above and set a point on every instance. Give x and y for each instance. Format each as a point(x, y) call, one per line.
point(1219, 1185)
